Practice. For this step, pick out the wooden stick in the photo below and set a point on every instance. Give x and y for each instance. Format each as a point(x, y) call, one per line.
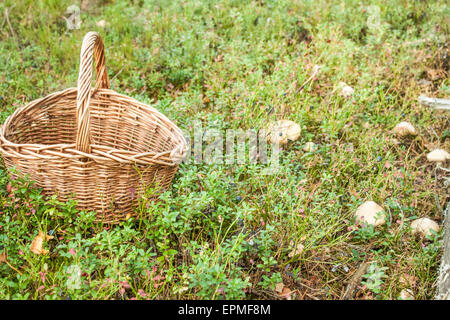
point(356, 279)
point(315, 72)
point(435, 103)
point(9, 23)
point(443, 292)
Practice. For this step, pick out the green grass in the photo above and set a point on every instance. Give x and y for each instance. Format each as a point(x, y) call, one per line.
point(226, 231)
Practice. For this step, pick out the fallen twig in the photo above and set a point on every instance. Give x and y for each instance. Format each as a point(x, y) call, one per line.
point(356, 279)
point(435, 103)
point(443, 292)
point(311, 194)
point(315, 72)
point(9, 23)
point(115, 76)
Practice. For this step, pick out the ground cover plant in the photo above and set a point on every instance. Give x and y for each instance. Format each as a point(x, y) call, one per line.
point(227, 231)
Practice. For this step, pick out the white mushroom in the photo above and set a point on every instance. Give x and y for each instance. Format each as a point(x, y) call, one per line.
point(101, 23)
point(438, 155)
point(309, 147)
point(424, 226)
point(283, 130)
point(346, 90)
point(370, 213)
point(404, 128)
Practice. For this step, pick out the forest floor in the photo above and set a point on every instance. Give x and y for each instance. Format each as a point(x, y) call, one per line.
point(228, 231)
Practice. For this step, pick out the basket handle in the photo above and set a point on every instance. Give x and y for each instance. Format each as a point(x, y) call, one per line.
point(92, 46)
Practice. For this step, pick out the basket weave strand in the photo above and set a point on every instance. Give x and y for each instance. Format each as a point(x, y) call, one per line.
point(98, 146)
point(92, 43)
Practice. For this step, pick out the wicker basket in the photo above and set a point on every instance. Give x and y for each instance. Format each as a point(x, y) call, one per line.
point(97, 146)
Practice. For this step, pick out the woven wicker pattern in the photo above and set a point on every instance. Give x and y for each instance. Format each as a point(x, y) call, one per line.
point(93, 144)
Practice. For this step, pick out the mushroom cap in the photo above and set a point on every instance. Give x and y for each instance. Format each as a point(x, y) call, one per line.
point(101, 23)
point(346, 90)
point(369, 213)
point(309, 147)
point(283, 130)
point(424, 226)
point(438, 155)
point(404, 128)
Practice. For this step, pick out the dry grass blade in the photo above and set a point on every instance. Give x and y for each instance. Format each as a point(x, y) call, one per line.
point(3, 259)
point(9, 24)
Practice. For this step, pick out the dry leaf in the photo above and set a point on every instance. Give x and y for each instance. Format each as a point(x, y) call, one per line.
point(279, 287)
point(286, 293)
point(206, 100)
point(3, 257)
point(36, 245)
point(297, 251)
point(434, 74)
point(9, 187)
point(354, 193)
point(309, 147)
point(406, 294)
point(408, 280)
point(219, 58)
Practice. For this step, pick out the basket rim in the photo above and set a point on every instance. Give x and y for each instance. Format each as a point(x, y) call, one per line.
point(98, 153)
